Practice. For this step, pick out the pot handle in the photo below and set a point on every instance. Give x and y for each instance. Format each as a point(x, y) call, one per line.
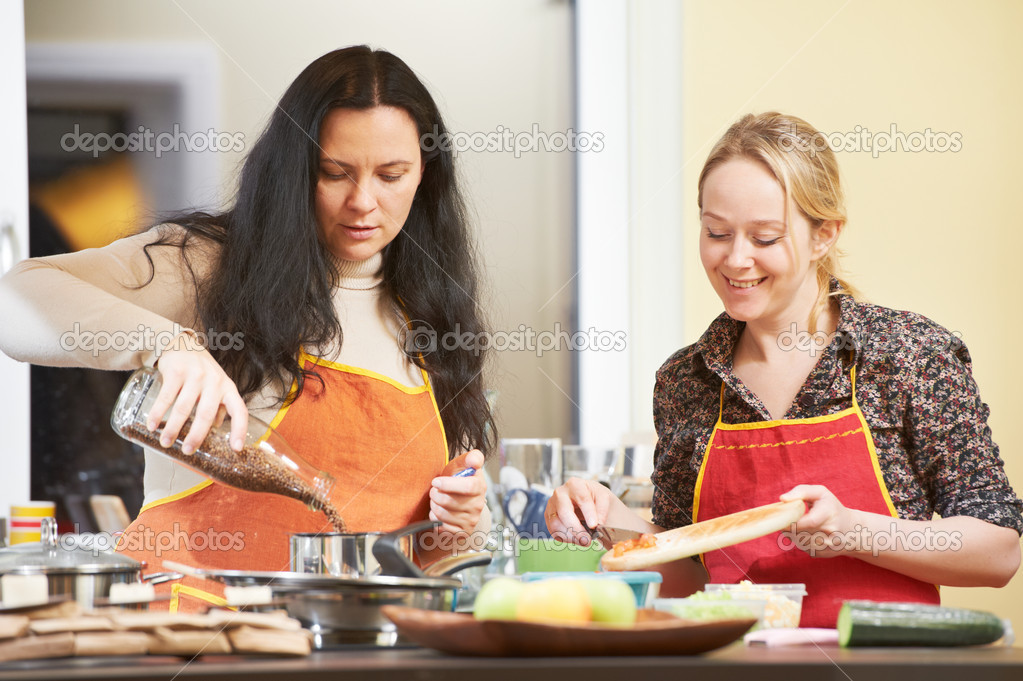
point(387, 550)
point(161, 577)
point(48, 532)
point(449, 565)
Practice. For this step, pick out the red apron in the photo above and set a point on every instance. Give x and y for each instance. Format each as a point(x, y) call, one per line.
point(752, 464)
point(383, 442)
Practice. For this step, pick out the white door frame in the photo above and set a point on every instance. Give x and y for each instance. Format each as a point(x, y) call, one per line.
point(14, 376)
point(629, 209)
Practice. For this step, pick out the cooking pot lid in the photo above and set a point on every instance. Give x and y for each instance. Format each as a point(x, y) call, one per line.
point(79, 554)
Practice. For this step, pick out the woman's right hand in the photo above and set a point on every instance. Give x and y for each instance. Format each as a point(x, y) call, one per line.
point(578, 506)
point(192, 379)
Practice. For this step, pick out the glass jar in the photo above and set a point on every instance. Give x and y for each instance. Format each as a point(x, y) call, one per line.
point(266, 462)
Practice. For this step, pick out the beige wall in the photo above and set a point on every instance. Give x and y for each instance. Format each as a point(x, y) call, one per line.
point(487, 64)
point(931, 232)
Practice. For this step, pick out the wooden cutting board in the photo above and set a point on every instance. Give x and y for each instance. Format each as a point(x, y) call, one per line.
point(708, 535)
point(96, 643)
point(249, 639)
point(33, 647)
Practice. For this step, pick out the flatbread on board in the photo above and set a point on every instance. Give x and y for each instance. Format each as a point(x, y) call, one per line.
point(708, 535)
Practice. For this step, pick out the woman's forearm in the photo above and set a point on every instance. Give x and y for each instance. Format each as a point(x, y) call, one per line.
point(90, 308)
point(956, 551)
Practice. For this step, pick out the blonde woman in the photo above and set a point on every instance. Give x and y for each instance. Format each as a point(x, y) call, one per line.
point(800, 391)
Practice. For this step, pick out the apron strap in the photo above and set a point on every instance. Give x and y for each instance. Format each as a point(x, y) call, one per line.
point(721, 403)
point(852, 378)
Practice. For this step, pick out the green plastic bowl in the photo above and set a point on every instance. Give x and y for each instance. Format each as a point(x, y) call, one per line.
point(551, 555)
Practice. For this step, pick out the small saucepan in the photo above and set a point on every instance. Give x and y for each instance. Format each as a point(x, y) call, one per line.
point(341, 554)
point(361, 554)
point(352, 554)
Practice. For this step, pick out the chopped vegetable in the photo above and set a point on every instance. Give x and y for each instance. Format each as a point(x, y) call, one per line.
point(704, 606)
point(779, 611)
point(644, 541)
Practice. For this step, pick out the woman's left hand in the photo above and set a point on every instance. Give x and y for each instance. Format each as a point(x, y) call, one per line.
point(826, 529)
point(459, 502)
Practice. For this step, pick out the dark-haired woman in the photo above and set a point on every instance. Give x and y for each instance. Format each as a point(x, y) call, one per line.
point(345, 244)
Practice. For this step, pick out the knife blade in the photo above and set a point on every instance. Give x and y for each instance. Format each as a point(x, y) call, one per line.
point(609, 536)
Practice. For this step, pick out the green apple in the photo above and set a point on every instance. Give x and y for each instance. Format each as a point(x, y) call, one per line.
point(498, 599)
point(611, 601)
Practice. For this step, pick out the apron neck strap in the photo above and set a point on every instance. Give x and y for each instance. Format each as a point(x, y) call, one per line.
point(721, 403)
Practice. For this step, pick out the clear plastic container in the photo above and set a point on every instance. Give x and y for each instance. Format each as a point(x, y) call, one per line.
point(266, 462)
point(783, 602)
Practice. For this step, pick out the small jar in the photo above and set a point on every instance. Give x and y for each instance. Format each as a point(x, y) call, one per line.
point(266, 462)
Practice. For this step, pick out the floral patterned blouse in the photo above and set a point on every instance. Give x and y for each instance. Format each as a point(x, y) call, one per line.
point(915, 387)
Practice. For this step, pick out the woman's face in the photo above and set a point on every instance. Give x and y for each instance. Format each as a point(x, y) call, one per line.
point(370, 168)
point(763, 271)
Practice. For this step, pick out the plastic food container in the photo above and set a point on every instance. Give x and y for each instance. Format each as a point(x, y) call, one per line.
point(645, 585)
point(783, 603)
point(716, 607)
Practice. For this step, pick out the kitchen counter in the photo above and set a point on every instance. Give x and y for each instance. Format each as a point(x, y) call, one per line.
point(734, 662)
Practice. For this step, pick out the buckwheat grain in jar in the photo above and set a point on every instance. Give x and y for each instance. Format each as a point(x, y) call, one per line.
point(266, 463)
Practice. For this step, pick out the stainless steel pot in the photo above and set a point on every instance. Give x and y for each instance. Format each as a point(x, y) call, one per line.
point(341, 610)
point(74, 568)
point(346, 610)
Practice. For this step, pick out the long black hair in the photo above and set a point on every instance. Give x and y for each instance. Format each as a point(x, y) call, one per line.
point(274, 280)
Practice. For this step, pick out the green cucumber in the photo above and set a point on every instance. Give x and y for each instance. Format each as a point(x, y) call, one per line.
point(866, 623)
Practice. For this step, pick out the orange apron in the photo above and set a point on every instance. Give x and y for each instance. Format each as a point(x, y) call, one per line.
point(751, 464)
point(383, 442)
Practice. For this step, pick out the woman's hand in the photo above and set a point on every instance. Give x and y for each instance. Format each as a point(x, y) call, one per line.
point(459, 502)
point(577, 507)
point(192, 379)
point(827, 527)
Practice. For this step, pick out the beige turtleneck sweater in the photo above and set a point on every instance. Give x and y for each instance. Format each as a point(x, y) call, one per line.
point(48, 305)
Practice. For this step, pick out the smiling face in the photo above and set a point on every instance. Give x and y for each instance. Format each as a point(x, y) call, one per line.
point(370, 168)
point(764, 271)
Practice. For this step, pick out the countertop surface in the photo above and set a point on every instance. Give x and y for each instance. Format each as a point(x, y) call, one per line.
point(732, 662)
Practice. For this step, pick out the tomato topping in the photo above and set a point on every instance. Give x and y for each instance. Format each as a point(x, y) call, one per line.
point(644, 541)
